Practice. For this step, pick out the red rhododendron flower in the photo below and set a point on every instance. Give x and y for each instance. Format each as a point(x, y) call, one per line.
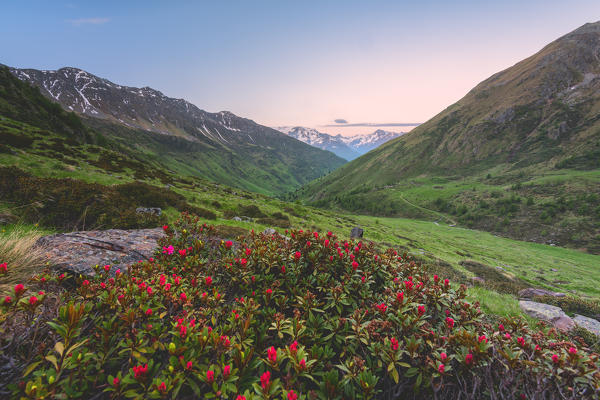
point(482, 338)
point(446, 282)
point(140, 371)
point(3, 268)
point(521, 341)
point(381, 307)
point(294, 346)
point(243, 261)
point(302, 364)
point(226, 371)
point(183, 296)
point(443, 356)
point(248, 252)
point(555, 358)
point(210, 376)
point(283, 269)
point(394, 343)
point(189, 365)
point(449, 322)
point(572, 350)
point(354, 265)
point(421, 310)
point(326, 242)
point(265, 380)
point(272, 354)
point(19, 289)
point(297, 255)
point(507, 336)
point(269, 292)
point(208, 280)
point(292, 396)
point(225, 340)
point(400, 297)
point(469, 359)
point(116, 382)
point(436, 278)
point(33, 300)
point(228, 244)
point(165, 228)
point(183, 252)
point(107, 268)
point(149, 312)
point(240, 397)
point(500, 327)
point(441, 368)
point(162, 387)
point(538, 348)
point(7, 300)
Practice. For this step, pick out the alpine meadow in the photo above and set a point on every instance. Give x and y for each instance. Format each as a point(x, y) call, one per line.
point(356, 227)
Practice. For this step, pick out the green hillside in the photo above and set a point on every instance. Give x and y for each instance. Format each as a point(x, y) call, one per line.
point(271, 163)
point(520, 150)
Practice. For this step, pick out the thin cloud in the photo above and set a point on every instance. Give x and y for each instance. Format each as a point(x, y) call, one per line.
point(375, 125)
point(88, 21)
point(340, 121)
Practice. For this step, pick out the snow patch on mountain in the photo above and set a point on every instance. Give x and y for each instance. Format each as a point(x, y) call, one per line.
point(348, 147)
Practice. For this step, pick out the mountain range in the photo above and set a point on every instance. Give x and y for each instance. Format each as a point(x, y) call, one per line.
point(347, 147)
point(219, 146)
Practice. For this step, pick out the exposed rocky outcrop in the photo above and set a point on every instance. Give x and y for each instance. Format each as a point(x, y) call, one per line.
point(530, 293)
point(545, 312)
point(78, 252)
point(589, 324)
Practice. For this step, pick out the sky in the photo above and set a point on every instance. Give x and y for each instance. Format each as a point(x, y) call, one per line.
point(373, 64)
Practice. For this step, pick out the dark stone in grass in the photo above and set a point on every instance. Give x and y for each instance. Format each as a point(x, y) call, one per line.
point(149, 210)
point(356, 233)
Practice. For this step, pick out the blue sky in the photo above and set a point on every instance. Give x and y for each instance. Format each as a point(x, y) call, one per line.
point(291, 63)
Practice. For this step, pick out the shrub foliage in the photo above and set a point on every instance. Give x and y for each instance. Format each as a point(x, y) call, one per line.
point(271, 317)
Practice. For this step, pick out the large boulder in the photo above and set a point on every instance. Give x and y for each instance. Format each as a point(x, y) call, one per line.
point(545, 312)
point(589, 324)
point(78, 252)
point(530, 293)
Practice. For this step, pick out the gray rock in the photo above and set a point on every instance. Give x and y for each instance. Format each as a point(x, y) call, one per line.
point(530, 293)
point(587, 323)
point(237, 219)
point(356, 233)
point(269, 231)
point(545, 312)
point(149, 210)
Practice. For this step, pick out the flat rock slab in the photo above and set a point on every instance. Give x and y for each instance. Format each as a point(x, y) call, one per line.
point(589, 324)
point(555, 315)
point(530, 293)
point(79, 252)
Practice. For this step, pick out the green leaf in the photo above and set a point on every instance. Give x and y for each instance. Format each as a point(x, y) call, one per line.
point(60, 348)
point(31, 368)
point(53, 360)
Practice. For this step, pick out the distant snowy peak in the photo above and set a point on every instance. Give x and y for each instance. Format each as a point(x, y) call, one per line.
point(348, 147)
point(366, 143)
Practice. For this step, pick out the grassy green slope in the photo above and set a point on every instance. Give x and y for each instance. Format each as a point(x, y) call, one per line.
point(269, 168)
point(535, 122)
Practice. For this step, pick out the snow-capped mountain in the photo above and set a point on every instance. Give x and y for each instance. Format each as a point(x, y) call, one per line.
point(324, 141)
point(348, 147)
point(365, 143)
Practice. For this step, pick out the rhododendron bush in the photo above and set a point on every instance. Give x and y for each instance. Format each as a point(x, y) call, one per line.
point(301, 316)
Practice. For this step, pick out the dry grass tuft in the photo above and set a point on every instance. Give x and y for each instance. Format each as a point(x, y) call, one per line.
point(17, 249)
